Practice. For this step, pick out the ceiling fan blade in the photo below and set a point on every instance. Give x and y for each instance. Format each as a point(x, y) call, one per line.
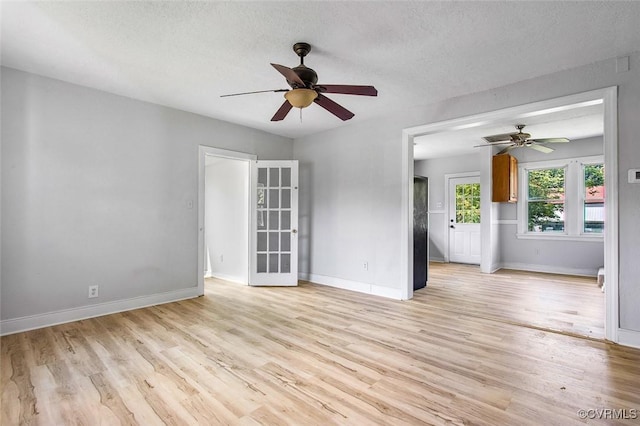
point(495, 143)
point(507, 149)
point(540, 148)
point(498, 138)
point(550, 140)
point(251, 93)
point(335, 109)
point(290, 75)
point(347, 89)
point(282, 112)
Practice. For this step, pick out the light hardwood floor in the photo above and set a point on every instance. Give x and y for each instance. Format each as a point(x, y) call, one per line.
point(311, 355)
point(567, 304)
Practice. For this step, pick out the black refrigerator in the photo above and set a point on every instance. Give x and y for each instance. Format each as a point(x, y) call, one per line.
point(420, 232)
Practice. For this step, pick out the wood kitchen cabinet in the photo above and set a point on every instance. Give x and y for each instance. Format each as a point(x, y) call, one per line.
point(505, 179)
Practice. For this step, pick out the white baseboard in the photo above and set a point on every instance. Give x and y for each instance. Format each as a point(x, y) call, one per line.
point(232, 278)
point(360, 287)
point(32, 322)
point(629, 338)
point(549, 269)
point(436, 259)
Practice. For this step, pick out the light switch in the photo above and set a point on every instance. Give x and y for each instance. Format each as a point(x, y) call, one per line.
point(634, 175)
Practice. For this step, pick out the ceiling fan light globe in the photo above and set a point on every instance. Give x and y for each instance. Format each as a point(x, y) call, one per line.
point(301, 98)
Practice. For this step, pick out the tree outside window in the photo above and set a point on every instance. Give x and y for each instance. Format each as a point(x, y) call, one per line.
point(468, 203)
point(593, 206)
point(546, 200)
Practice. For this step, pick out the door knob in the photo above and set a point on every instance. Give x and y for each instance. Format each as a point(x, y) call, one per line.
point(294, 231)
point(452, 227)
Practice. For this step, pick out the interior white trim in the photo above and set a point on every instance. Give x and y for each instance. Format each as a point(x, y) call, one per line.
point(32, 322)
point(360, 287)
point(629, 337)
point(505, 222)
point(406, 217)
point(203, 152)
point(609, 98)
point(226, 277)
point(611, 235)
point(548, 269)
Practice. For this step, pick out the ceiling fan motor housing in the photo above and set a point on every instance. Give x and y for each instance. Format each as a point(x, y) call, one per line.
point(307, 75)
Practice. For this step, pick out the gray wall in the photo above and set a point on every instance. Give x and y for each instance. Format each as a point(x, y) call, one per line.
point(435, 169)
point(226, 220)
point(101, 189)
point(352, 178)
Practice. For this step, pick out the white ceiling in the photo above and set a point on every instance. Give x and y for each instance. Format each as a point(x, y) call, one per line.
point(572, 122)
point(186, 54)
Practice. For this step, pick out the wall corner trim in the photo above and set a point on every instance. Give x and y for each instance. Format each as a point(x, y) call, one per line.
point(32, 322)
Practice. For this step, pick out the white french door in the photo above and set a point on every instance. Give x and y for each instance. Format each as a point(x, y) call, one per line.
point(464, 220)
point(274, 223)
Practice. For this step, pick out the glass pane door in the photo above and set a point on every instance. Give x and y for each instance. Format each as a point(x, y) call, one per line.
point(276, 218)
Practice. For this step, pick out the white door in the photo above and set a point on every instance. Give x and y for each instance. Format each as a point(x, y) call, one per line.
point(274, 223)
point(464, 220)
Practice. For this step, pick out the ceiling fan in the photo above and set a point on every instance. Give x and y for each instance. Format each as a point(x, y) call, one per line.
point(305, 90)
point(520, 139)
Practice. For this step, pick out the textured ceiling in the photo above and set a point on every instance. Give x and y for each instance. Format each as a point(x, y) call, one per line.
point(186, 54)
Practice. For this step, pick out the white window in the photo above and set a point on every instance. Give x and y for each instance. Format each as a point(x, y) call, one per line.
point(562, 199)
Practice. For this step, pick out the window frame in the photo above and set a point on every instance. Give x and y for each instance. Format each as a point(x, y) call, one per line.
point(574, 189)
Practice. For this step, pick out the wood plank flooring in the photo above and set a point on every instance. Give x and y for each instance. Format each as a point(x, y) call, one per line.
point(564, 303)
point(310, 355)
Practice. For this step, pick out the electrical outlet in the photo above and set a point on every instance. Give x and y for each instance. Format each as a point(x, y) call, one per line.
point(365, 266)
point(93, 291)
point(221, 258)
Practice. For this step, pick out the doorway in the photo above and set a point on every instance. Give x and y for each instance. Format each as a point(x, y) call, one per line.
point(264, 212)
point(489, 236)
point(226, 222)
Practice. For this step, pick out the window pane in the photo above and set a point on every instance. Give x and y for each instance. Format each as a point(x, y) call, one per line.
point(262, 263)
point(273, 220)
point(593, 209)
point(262, 241)
point(273, 263)
point(262, 219)
point(546, 184)
point(274, 198)
point(546, 217)
point(285, 241)
point(468, 203)
point(273, 241)
point(274, 177)
point(285, 263)
point(546, 200)
point(285, 220)
point(286, 176)
point(286, 199)
point(262, 176)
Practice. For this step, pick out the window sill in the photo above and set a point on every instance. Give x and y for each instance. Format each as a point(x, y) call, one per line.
point(560, 237)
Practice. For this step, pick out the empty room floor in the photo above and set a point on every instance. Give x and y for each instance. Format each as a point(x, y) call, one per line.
point(309, 355)
point(568, 304)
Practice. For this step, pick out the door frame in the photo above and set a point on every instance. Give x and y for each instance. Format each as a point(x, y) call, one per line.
point(203, 152)
point(447, 185)
point(609, 98)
